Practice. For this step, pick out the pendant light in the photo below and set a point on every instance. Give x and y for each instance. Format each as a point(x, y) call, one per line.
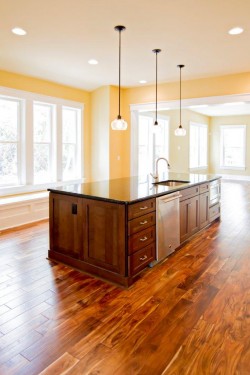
point(156, 51)
point(119, 123)
point(180, 131)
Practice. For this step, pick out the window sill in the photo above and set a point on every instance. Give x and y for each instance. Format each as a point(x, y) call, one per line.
point(24, 189)
point(232, 168)
point(198, 168)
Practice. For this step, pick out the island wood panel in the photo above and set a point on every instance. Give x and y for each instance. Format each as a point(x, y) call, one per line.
point(66, 225)
point(190, 210)
point(105, 236)
point(194, 215)
point(204, 210)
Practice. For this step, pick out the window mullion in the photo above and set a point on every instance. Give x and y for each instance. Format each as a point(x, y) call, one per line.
point(58, 134)
point(29, 173)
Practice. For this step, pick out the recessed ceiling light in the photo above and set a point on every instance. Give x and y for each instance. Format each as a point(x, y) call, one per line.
point(93, 62)
point(142, 81)
point(235, 31)
point(18, 31)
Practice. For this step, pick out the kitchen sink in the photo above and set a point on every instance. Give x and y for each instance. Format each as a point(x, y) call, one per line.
point(171, 183)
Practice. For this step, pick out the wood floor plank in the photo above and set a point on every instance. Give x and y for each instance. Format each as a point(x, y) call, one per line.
point(61, 366)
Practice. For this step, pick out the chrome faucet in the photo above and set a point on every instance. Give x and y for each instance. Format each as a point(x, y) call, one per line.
point(156, 167)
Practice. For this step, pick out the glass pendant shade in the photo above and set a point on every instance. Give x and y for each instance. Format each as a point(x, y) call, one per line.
point(180, 131)
point(119, 123)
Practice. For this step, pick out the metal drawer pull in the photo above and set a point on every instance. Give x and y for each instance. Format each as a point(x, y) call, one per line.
point(143, 222)
point(144, 239)
point(143, 208)
point(144, 257)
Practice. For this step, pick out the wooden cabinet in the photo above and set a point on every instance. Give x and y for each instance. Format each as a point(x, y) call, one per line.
point(139, 260)
point(117, 240)
point(204, 205)
point(141, 235)
point(89, 235)
point(204, 210)
point(199, 206)
point(189, 212)
point(104, 235)
point(141, 208)
point(189, 217)
point(214, 212)
point(96, 236)
point(214, 200)
point(66, 225)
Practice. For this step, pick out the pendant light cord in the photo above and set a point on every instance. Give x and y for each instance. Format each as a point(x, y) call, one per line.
point(180, 66)
point(156, 97)
point(119, 105)
point(156, 51)
point(180, 94)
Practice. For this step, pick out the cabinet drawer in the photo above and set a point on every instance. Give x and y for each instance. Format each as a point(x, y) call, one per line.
point(214, 212)
point(141, 222)
point(204, 188)
point(141, 208)
point(141, 239)
point(188, 193)
point(141, 259)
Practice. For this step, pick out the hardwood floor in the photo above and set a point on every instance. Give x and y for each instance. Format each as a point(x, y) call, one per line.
point(189, 315)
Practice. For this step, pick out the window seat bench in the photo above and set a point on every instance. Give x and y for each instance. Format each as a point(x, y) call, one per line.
point(23, 209)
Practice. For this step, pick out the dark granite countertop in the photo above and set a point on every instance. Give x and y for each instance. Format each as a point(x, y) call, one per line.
point(132, 189)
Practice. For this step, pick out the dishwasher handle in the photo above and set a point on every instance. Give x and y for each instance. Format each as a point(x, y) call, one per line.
point(166, 200)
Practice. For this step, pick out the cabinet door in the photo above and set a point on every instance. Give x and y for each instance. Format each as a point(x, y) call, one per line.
point(104, 233)
point(193, 215)
point(184, 228)
point(66, 234)
point(204, 209)
point(189, 217)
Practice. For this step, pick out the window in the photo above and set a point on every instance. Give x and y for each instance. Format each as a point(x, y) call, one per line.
point(151, 145)
point(71, 137)
point(9, 141)
point(40, 141)
point(42, 148)
point(232, 146)
point(198, 146)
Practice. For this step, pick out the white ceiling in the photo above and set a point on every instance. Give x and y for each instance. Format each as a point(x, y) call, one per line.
point(225, 109)
point(64, 34)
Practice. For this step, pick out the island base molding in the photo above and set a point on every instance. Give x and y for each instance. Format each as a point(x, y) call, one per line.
point(92, 270)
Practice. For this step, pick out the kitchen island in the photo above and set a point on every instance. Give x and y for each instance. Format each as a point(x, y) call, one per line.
point(108, 228)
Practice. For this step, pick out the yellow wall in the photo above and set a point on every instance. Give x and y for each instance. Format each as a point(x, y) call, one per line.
point(35, 85)
point(215, 143)
point(198, 88)
point(179, 146)
point(100, 125)
point(119, 140)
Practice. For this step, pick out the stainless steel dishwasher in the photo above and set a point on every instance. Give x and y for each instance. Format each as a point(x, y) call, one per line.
point(167, 224)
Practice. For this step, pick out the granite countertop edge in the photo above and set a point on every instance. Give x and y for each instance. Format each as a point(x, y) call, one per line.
point(81, 190)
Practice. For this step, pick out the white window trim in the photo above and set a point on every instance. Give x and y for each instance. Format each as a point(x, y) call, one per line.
point(134, 113)
point(202, 126)
point(233, 168)
point(26, 112)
